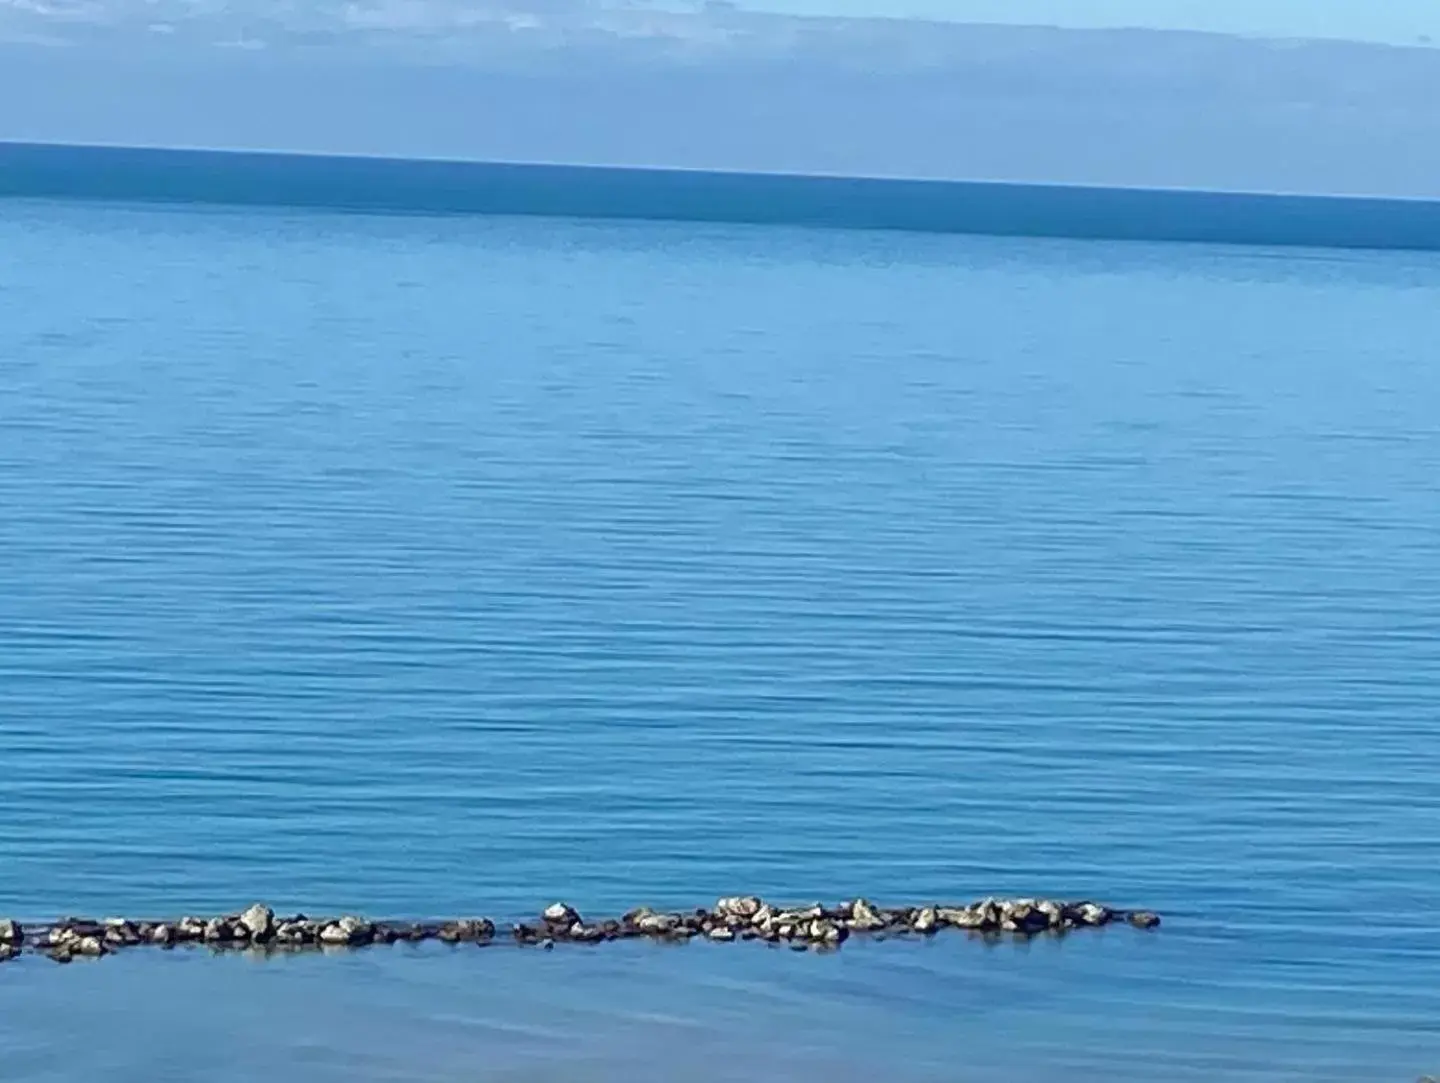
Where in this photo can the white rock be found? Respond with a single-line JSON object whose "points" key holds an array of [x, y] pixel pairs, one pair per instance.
{"points": [[561, 914], [744, 907], [259, 922]]}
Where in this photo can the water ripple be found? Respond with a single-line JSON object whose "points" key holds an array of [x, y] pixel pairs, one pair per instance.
{"points": [[614, 558]]}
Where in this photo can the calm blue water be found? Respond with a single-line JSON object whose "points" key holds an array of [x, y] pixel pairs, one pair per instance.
{"points": [[428, 565], [460, 187]]}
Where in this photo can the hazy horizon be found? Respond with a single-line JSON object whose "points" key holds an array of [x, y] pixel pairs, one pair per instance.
{"points": [[719, 87]]}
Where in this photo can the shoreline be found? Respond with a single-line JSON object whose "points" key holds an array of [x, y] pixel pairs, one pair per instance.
{"points": [[733, 919]]}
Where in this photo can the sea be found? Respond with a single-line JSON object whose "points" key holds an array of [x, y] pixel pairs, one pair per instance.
{"points": [[391, 559]]}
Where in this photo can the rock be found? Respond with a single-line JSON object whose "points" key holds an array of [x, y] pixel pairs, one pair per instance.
{"points": [[467, 930], [1144, 919], [828, 932], [720, 932], [121, 933], [825, 931], [62, 955], [218, 930], [295, 932], [8, 952], [561, 914], [162, 934], [89, 945], [801, 914], [11, 932], [190, 928], [926, 921], [1089, 913], [864, 916], [1053, 912], [739, 907], [71, 930], [1022, 916], [654, 924], [349, 930], [258, 922], [989, 911]]}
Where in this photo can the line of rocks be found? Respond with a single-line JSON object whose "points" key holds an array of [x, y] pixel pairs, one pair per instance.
{"points": [[745, 917]]}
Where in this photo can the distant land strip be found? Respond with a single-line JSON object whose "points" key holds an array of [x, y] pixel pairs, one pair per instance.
{"points": [[401, 186], [813, 927]]}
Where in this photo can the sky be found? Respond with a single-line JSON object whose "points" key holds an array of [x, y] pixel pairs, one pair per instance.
{"points": [[1396, 21], [1324, 96]]}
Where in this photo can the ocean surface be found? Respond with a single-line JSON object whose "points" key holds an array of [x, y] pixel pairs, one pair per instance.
{"points": [[420, 564], [337, 182]]}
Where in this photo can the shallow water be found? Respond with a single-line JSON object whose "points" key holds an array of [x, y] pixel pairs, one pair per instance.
{"points": [[440, 565]]}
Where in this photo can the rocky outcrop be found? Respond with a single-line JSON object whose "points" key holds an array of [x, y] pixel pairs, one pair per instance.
{"points": [[258, 923], [72, 938], [349, 931], [464, 931], [738, 908], [736, 918], [562, 915], [12, 938]]}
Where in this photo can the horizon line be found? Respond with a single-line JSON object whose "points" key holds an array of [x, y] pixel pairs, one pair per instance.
{"points": [[701, 171], [382, 184]]}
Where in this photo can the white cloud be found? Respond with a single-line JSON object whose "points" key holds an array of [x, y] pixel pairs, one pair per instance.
{"points": [[1012, 60], [448, 26]]}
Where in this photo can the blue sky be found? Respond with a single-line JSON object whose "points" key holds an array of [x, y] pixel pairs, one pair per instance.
{"points": [[714, 85], [1372, 20], [1388, 21]]}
